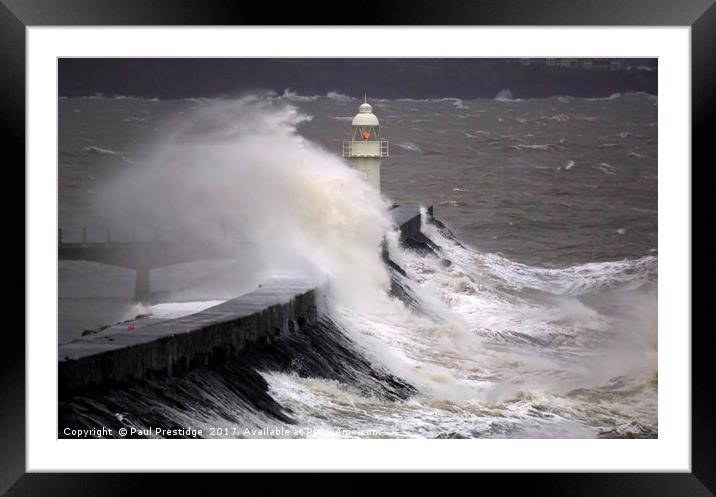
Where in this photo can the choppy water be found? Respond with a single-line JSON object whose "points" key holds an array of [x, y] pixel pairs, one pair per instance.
{"points": [[542, 324]]}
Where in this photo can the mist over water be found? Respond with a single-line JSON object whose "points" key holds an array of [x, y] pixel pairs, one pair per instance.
{"points": [[537, 320]]}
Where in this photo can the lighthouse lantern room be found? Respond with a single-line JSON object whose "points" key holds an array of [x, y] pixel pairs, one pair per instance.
{"points": [[365, 149]]}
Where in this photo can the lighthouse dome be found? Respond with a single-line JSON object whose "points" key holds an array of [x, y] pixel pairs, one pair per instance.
{"points": [[365, 116]]}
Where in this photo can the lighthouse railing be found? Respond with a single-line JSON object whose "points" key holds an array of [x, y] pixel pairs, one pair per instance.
{"points": [[371, 148], [384, 148]]}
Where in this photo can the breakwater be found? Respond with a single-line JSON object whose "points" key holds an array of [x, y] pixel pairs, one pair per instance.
{"points": [[149, 347]]}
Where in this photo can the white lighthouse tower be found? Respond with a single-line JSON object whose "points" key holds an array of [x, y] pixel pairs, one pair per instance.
{"points": [[365, 149]]}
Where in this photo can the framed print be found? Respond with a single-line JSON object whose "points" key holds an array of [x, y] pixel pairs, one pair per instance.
{"points": [[461, 244]]}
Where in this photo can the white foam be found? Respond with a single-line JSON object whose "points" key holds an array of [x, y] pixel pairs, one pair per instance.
{"points": [[487, 358], [175, 310]]}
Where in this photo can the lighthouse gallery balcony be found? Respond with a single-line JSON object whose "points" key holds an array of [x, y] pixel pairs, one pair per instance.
{"points": [[373, 148]]}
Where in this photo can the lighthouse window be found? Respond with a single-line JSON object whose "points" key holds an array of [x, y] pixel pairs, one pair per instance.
{"points": [[365, 134]]}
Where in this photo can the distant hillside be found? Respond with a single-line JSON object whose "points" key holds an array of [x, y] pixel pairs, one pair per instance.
{"points": [[380, 78]]}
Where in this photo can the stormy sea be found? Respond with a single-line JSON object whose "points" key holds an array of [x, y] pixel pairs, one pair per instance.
{"points": [[527, 308]]}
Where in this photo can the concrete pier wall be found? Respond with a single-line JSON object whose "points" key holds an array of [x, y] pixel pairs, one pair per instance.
{"points": [[144, 347], [147, 347], [407, 217]]}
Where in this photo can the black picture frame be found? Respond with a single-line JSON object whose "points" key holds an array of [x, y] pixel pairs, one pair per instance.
{"points": [[16, 15]]}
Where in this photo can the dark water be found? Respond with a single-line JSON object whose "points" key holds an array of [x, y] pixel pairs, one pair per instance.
{"points": [[548, 181], [552, 273]]}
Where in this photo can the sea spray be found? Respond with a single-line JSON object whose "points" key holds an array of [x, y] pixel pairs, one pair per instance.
{"points": [[240, 168]]}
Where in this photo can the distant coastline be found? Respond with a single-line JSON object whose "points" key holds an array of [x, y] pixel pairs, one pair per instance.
{"points": [[396, 78]]}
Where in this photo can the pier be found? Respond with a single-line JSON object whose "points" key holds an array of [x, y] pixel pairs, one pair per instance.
{"points": [[142, 256], [147, 346]]}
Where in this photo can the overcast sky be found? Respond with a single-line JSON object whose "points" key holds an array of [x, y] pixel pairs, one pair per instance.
{"points": [[387, 78]]}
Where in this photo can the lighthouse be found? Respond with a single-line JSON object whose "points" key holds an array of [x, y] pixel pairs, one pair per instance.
{"points": [[365, 149]]}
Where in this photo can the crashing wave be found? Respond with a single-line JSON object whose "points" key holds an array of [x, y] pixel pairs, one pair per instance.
{"points": [[288, 94], [505, 95], [101, 151], [338, 97]]}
